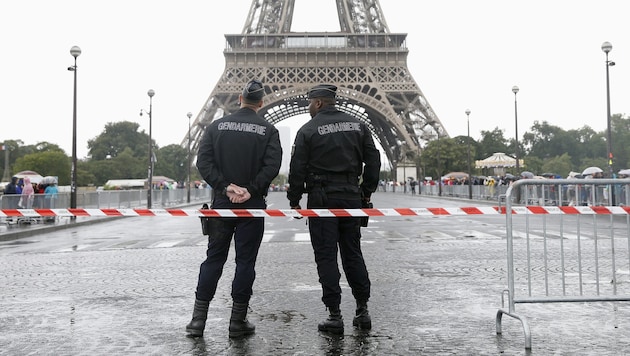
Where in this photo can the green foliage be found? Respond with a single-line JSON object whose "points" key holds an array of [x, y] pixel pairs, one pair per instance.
{"points": [[49, 163], [122, 166], [116, 138], [492, 142], [15, 150], [559, 165], [120, 152], [443, 156], [600, 162], [532, 164], [172, 162], [620, 140]]}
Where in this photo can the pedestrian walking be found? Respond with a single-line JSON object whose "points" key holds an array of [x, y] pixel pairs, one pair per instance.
{"points": [[331, 153], [239, 155]]}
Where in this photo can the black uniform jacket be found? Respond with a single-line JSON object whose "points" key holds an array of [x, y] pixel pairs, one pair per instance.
{"points": [[332, 145], [241, 148]]}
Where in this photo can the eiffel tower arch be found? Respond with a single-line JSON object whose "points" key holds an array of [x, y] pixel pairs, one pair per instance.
{"points": [[364, 60]]}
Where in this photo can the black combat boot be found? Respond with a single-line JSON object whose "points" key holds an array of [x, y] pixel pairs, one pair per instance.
{"points": [[239, 326], [362, 319], [198, 322], [334, 323]]}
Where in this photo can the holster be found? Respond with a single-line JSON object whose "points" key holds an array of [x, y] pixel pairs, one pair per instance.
{"points": [[365, 219], [205, 222]]}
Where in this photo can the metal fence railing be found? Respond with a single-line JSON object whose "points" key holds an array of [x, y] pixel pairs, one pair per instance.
{"points": [[107, 199], [550, 192], [573, 245]]}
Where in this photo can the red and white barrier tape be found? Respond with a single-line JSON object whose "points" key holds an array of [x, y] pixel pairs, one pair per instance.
{"points": [[273, 213]]}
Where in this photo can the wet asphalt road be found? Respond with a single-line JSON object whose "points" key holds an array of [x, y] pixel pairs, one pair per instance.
{"points": [[126, 287]]}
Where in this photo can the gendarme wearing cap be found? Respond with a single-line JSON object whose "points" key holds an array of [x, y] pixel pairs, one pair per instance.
{"points": [[322, 91], [253, 91]]}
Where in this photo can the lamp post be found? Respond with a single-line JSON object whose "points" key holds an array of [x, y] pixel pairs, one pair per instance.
{"points": [[469, 169], [394, 176], [438, 164], [607, 47], [150, 93], [188, 176], [515, 90], [75, 51]]}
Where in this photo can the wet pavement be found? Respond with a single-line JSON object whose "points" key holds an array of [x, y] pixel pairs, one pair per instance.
{"points": [[126, 287]]}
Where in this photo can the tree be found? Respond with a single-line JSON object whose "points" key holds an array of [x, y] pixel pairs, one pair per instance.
{"points": [[172, 162], [49, 163], [532, 164], [492, 142], [116, 138], [560, 165], [12, 149], [620, 139], [452, 157]]}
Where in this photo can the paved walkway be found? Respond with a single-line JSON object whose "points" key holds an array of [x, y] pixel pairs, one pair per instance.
{"points": [[433, 294]]}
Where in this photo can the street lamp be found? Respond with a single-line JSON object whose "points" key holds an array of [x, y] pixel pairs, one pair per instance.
{"points": [[75, 51], [438, 164], [150, 93], [607, 47], [515, 90], [188, 177], [469, 169]]}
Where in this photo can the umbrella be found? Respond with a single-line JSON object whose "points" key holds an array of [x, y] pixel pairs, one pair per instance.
{"points": [[49, 180], [34, 176], [527, 174], [549, 175], [625, 172], [456, 175], [591, 170]]}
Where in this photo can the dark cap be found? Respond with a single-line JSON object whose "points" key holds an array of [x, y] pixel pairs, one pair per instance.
{"points": [[254, 90], [322, 91]]}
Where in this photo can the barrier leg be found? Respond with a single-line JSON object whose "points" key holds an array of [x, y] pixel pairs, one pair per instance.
{"points": [[526, 331]]}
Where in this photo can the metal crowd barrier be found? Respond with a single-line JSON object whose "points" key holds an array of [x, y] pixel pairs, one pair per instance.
{"points": [[107, 199], [572, 246]]}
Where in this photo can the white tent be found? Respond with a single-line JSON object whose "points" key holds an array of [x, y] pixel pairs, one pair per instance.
{"points": [[34, 176]]}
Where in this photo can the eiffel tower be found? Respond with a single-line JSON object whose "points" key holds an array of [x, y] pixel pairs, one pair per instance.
{"points": [[364, 60]]}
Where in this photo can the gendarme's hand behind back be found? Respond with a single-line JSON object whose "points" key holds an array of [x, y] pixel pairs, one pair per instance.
{"points": [[236, 194]]}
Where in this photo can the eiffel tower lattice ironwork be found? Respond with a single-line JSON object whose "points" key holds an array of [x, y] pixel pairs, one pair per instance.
{"points": [[365, 61]]}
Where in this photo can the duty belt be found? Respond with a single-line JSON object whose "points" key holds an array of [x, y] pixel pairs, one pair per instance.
{"points": [[314, 178]]}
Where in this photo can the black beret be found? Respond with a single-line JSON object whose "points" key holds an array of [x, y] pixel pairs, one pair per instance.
{"points": [[253, 90], [322, 91]]}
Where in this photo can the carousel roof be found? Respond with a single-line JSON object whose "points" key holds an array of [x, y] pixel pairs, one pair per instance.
{"points": [[499, 159]]}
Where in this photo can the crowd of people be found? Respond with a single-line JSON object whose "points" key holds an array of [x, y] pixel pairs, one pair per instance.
{"points": [[22, 193]]}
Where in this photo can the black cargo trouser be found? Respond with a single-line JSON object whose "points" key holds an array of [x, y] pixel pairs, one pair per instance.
{"points": [[344, 234], [248, 234]]}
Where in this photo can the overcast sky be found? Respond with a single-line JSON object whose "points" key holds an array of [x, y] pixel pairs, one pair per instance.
{"points": [[463, 54]]}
